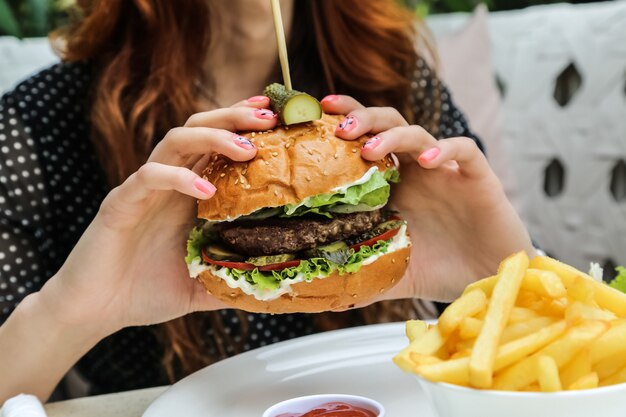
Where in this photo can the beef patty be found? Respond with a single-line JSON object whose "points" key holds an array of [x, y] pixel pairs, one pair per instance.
{"points": [[290, 235]]}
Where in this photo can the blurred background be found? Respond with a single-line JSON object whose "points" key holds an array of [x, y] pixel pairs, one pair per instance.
{"points": [[542, 83]]}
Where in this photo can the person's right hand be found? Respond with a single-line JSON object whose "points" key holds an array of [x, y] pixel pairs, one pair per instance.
{"points": [[128, 267]]}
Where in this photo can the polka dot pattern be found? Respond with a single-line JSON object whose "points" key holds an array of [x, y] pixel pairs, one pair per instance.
{"points": [[51, 186]]}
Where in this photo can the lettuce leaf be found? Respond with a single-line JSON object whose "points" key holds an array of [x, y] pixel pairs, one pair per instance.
{"points": [[372, 193], [197, 240], [619, 282], [310, 268]]}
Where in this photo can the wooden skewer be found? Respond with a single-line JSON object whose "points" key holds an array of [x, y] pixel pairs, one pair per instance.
{"points": [[282, 45]]}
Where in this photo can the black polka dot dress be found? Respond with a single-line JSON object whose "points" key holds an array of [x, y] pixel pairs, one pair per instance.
{"points": [[51, 185]]}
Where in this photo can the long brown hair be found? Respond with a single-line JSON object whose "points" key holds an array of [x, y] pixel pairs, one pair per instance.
{"points": [[148, 58]]}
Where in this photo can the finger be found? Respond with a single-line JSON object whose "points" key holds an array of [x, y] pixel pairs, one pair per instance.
{"points": [[235, 119], [258, 102], [338, 104], [464, 151], [407, 139], [181, 143], [152, 177], [369, 120]]}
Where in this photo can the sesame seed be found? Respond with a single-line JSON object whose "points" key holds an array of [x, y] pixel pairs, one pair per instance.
{"points": [[310, 152], [244, 171], [253, 134], [274, 153], [336, 155], [325, 173], [222, 175], [262, 144], [286, 127], [237, 181], [393, 261], [353, 295], [381, 290], [276, 193], [270, 131], [267, 162], [225, 166], [353, 150], [393, 280], [247, 186], [308, 178], [287, 145]]}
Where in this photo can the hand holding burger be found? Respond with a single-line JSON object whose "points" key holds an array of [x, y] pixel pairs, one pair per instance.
{"points": [[303, 227]]}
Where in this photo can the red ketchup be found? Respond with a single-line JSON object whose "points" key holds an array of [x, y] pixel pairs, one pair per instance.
{"points": [[337, 409]]}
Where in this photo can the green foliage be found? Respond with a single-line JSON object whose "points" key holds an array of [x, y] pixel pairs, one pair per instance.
{"points": [[31, 18], [425, 7], [619, 282]]}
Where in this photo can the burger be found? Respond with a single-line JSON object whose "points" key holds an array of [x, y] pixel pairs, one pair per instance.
{"points": [[303, 227]]}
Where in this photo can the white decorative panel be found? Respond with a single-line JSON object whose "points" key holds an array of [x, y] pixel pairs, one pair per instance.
{"points": [[563, 69]]}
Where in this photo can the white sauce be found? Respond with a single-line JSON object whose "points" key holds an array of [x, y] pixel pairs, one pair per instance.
{"points": [[400, 241]]}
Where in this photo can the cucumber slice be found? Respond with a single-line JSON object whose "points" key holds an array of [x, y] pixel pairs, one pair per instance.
{"points": [[292, 106], [219, 253], [271, 259]]}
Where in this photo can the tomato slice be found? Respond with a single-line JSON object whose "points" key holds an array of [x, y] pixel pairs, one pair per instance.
{"points": [[245, 266], [371, 242]]}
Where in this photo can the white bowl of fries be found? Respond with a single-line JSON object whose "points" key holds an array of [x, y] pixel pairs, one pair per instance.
{"points": [[454, 401], [538, 339]]}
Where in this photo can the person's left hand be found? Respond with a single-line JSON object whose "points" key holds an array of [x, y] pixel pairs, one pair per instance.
{"points": [[460, 221]]}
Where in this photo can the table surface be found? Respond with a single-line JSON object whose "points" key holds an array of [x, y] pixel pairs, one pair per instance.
{"points": [[124, 404]]}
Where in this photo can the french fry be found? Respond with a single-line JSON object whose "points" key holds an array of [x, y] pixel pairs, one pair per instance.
{"points": [[470, 328], [524, 328], [466, 306], [578, 367], [611, 343], [562, 350], [528, 300], [618, 377], [578, 311], [606, 297], [535, 326], [415, 329], [418, 359], [548, 374], [430, 343], [586, 382], [520, 314], [520, 348], [609, 366], [485, 284], [544, 283], [582, 290], [483, 356], [458, 369]]}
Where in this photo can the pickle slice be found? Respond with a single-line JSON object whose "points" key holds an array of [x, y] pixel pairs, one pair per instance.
{"points": [[271, 259], [292, 106]]}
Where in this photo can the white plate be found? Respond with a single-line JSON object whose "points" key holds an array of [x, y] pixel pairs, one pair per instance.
{"points": [[352, 361]]}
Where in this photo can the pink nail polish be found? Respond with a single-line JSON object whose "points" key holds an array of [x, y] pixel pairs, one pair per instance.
{"points": [[330, 98], [257, 99], [264, 114], [243, 142], [429, 154], [204, 186], [348, 124], [372, 143]]}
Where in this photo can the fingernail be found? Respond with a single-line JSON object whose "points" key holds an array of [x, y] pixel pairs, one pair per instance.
{"points": [[372, 143], [429, 154], [330, 98], [204, 186], [348, 124], [264, 114], [243, 142], [257, 99]]}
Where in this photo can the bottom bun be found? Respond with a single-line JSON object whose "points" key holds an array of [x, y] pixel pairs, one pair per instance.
{"points": [[335, 292]]}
